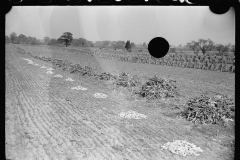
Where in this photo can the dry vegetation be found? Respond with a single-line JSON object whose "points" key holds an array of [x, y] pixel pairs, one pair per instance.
{"points": [[170, 100]]}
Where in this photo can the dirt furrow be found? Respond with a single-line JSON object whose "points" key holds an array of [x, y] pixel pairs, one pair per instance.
{"points": [[46, 119]]}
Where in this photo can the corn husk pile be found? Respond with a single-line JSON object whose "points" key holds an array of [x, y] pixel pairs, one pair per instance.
{"points": [[43, 67], [210, 110], [69, 79], [132, 115], [49, 72], [157, 88], [50, 69], [30, 62], [182, 148], [58, 76], [79, 88], [100, 95]]}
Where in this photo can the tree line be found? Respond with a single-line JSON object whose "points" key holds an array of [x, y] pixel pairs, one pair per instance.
{"points": [[203, 45], [67, 39]]}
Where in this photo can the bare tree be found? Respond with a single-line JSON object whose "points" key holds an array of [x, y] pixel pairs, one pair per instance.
{"points": [[205, 45], [194, 46], [222, 48]]}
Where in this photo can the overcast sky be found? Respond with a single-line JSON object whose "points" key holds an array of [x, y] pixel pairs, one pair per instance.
{"points": [[178, 25]]}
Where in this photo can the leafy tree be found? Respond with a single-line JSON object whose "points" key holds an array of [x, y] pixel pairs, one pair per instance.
{"points": [[205, 45], [46, 40], [144, 45], [133, 45], [222, 48], [194, 46], [172, 50], [232, 48], [13, 36], [128, 46], [90, 44], [7, 39], [32, 40], [75, 42], [53, 41], [139, 45], [66, 38], [22, 38], [104, 44], [119, 45], [82, 42]]}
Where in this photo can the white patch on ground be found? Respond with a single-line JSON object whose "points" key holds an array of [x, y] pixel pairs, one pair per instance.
{"points": [[69, 79], [43, 67], [182, 148], [58, 75], [49, 72], [100, 95], [50, 69], [79, 88], [132, 115]]}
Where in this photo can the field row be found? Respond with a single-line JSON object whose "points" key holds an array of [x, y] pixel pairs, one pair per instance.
{"points": [[52, 126], [213, 63]]}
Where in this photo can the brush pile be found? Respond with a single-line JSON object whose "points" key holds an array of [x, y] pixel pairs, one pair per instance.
{"points": [[157, 88], [127, 81], [106, 76], [66, 65], [82, 70], [205, 110]]}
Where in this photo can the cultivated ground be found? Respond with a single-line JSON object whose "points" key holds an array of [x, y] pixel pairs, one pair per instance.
{"points": [[45, 119]]}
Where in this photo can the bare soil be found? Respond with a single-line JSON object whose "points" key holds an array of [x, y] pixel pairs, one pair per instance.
{"points": [[45, 119]]}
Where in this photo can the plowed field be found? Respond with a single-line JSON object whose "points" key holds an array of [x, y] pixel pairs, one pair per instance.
{"points": [[47, 120]]}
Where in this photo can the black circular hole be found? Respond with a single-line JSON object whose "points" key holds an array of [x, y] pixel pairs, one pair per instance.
{"points": [[158, 47], [7, 9], [220, 7]]}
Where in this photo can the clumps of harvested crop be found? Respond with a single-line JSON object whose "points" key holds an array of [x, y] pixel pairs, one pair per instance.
{"points": [[218, 109], [157, 88], [66, 65], [125, 80], [106, 76], [77, 68], [182, 148]]}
